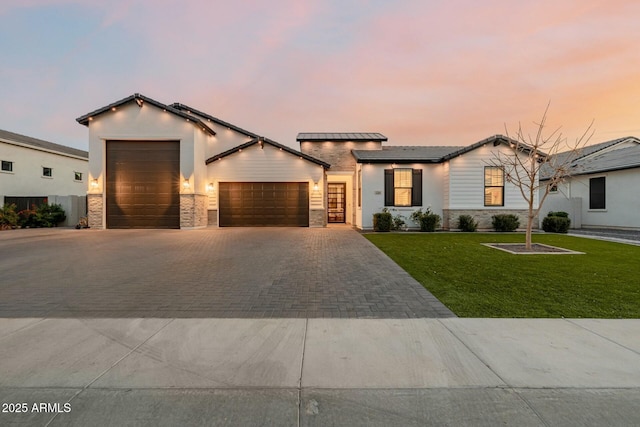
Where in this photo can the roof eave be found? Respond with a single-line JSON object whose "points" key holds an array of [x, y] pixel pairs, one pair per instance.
{"points": [[84, 120], [216, 120], [272, 143], [345, 139], [397, 161]]}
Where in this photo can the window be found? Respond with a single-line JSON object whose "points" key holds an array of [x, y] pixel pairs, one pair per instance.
{"points": [[403, 187], [77, 176], [493, 186], [7, 166], [48, 172], [597, 193], [553, 188]]}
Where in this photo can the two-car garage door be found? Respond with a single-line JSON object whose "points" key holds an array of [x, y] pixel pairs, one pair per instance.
{"points": [[258, 204]]}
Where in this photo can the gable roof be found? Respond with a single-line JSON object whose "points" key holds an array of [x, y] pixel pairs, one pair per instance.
{"points": [[595, 148], [39, 144], [404, 154], [428, 154], [210, 118], [340, 136], [261, 140], [591, 159], [623, 158], [141, 100], [495, 140]]}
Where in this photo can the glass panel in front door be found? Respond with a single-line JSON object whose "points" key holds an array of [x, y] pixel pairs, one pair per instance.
{"points": [[336, 202]]}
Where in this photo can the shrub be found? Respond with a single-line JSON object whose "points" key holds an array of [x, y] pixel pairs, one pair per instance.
{"points": [[8, 217], [467, 223], [398, 222], [51, 215], [382, 221], [43, 216], [559, 214], [428, 220], [28, 218], [554, 223], [505, 222]]}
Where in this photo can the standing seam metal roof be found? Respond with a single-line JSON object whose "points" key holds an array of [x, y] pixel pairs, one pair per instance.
{"points": [[340, 136]]}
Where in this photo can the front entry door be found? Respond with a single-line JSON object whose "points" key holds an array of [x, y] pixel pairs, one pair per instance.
{"points": [[336, 194]]}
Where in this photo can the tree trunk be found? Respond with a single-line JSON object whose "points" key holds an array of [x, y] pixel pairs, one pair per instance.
{"points": [[530, 217]]}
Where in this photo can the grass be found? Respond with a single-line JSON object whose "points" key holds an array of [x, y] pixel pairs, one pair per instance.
{"points": [[476, 281]]}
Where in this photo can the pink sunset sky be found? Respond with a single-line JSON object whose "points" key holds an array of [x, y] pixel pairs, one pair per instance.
{"points": [[420, 72]]}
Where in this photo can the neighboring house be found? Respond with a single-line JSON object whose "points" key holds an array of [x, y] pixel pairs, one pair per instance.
{"points": [[155, 165], [34, 172], [602, 189]]}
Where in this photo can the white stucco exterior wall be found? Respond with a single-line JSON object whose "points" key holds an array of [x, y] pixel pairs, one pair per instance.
{"points": [[373, 192], [26, 178], [622, 200], [146, 123]]}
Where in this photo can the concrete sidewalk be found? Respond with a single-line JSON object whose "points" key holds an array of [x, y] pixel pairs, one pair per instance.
{"points": [[320, 371]]}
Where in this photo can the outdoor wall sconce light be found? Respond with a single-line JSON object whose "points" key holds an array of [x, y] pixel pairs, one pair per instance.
{"points": [[186, 184], [315, 186], [94, 183], [210, 187]]}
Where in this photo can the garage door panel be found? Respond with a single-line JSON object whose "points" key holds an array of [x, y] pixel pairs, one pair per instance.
{"points": [[250, 204], [142, 188]]}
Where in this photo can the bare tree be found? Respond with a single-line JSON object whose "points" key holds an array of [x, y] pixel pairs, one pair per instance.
{"points": [[530, 155]]}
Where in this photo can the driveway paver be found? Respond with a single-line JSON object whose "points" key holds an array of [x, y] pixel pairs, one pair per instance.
{"points": [[205, 273]]}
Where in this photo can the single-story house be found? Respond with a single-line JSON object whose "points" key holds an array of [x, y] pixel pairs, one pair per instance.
{"points": [[33, 172], [602, 188], [155, 165]]}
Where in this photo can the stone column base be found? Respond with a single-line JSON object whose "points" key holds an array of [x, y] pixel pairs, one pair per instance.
{"points": [[317, 218], [95, 214], [193, 210]]}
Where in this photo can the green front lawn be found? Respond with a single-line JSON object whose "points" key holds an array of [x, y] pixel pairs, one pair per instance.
{"points": [[476, 281]]}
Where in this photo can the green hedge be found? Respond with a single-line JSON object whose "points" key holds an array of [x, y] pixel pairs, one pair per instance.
{"points": [[427, 220], [505, 222], [467, 223], [45, 215], [382, 221], [556, 222]]}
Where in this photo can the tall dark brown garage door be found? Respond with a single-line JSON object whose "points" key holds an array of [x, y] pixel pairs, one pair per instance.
{"points": [[264, 204], [143, 184]]}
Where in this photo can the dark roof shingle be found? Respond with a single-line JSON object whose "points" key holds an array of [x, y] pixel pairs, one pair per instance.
{"points": [[404, 154], [590, 160], [41, 144]]}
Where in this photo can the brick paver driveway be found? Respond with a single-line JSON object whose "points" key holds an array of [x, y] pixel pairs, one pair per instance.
{"points": [[236, 272]]}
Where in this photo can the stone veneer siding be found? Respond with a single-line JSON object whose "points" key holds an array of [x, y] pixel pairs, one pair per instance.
{"points": [[212, 217], [317, 218], [95, 209], [337, 154], [193, 210], [483, 216]]}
